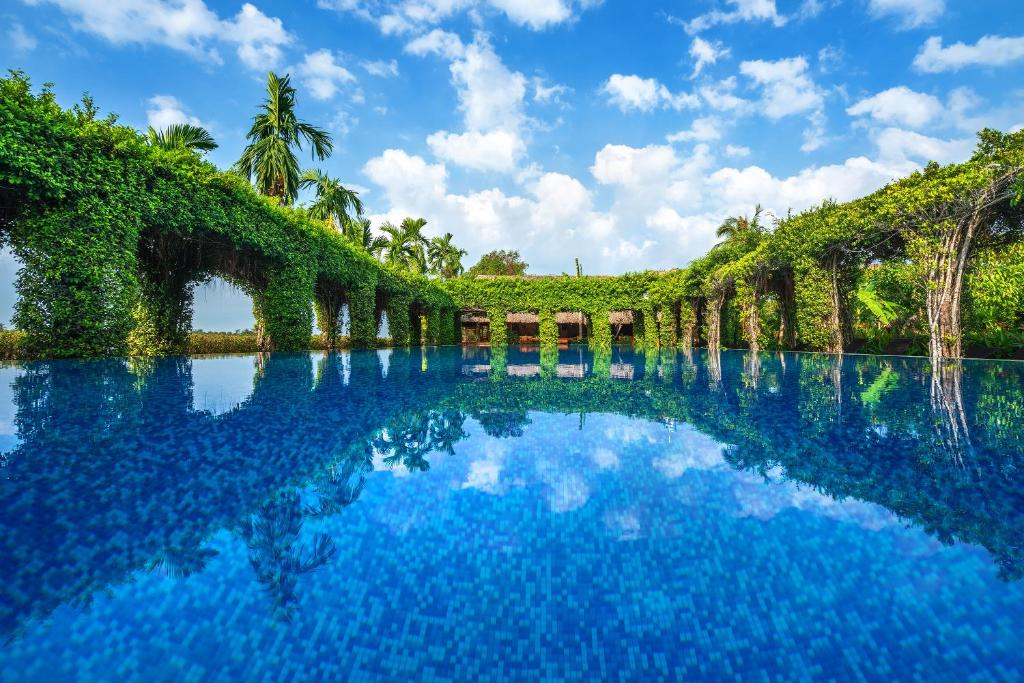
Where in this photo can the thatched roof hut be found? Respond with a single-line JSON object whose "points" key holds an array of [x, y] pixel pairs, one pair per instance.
{"points": [[620, 317]]}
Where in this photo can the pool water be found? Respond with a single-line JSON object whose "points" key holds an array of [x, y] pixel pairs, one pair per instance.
{"points": [[446, 514]]}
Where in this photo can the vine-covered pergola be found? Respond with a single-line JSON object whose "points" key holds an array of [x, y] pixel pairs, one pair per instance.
{"points": [[113, 235]]}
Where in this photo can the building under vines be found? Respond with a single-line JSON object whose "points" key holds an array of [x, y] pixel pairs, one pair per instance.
{"points": [[114, 235]]}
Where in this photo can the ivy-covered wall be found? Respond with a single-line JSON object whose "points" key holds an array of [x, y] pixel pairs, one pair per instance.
{"points": [[114, 235]]}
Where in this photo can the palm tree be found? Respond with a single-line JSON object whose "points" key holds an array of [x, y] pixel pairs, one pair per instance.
{"points": [[276, 133], [735, 227], [333, 202], [404, 244], [444, 257], [359, 232], [182, 136]]}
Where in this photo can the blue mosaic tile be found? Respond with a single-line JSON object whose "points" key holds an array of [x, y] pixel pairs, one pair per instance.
{"points": [[445, 515]]}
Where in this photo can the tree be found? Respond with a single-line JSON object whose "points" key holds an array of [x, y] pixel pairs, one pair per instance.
{"points": [[500, 262], [276, 133], [405, 244], [182, 136], [735, 227], [333, 202], [444, 257], [359, 232]]}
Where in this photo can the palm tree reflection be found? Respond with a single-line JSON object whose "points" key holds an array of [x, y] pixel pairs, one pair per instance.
{"points": [[276, 554]]}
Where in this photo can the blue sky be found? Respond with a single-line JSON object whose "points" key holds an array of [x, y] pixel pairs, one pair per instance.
{"points": [[617, 132]]}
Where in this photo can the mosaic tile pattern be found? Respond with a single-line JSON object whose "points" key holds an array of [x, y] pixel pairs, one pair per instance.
{"points": [[781, 518]]}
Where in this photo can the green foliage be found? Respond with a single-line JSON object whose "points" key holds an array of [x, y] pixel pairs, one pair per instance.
{"points": [[185, 136], [269, 159], [501, 262], [114, 233]]}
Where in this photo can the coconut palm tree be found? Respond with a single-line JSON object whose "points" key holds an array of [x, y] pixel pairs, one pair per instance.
{"points": [[334, 203], [445, 258], [359, 232], [276, 133], [405, 244], [735, 227], [182, 136]]}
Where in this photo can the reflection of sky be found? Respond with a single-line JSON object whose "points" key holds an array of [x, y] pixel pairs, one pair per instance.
{"points": [[8, 409], [221, 384], [565, 465]]}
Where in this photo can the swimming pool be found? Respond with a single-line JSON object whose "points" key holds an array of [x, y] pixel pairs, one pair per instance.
{"points": [[449, 514]]}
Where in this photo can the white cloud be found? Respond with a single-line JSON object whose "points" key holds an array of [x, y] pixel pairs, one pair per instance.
{"points": [[258, 36], [537, 14], [898, 144], [705, 53], [412, 16], [901, 106], [544, 94], [185, 25], [323, 75], [644, 94], [167, 110], [912, 13], [20, 39], [933, 58], [436, 42], [720, 96], [742, 10], [497, 150], [381, 68], [664, 203], [705, 129], [787, 87], [490, 95], [737, 151]]}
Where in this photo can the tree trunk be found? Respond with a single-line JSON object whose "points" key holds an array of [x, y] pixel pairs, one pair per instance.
{"points": [[787, 312], [714, 312], [837, 336], [945, 289], [948, 405]]}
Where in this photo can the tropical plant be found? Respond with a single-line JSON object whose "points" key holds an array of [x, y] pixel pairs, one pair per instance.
{"points": [[405, 244], [182, 136], [333, 203], [735, 227], [359, 232], [276, 133], [445, 258]]}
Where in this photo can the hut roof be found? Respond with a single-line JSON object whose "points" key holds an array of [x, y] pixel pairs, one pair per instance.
{"points": [[524, 317], [620, 317], [570, 318]]}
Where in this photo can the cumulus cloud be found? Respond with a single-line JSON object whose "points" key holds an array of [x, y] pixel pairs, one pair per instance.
{"points": [[787, 87], [380, 67], [436, 42], [186, 25], [990, 51], [705, 129], [498, 150], [321, 73], [416, 16], [742, 10], [911, 13], [901, 106], [167, 110], [632, 92], [660, 205], [705, 53]]}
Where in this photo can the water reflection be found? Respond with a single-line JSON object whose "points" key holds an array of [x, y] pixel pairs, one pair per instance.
{"points": [[121, 467]]}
